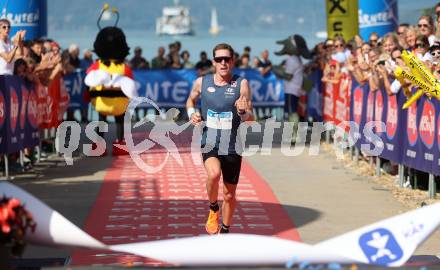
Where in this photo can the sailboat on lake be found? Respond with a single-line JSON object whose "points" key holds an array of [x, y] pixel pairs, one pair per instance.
{"points": [[215, 28]]}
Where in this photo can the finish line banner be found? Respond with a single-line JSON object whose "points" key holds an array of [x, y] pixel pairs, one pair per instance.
{"points": [[171, 88]]}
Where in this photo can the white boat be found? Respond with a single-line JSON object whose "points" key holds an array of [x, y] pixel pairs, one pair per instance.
{"points": [[215, 28], [175, 20]]}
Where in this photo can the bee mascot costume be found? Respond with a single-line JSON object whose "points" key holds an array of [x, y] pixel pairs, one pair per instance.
{"points": [[292, 72], [111, 80]]}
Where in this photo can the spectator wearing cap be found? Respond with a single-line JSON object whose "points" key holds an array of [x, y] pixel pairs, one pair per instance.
{"points": [[159, 61], [426, 28], [138, 61], [9, 49]]}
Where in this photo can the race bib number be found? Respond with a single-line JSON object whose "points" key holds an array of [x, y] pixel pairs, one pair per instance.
{"points": [[219, 120]]}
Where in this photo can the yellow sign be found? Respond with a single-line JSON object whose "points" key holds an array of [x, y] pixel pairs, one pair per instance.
{"points": [[342, 18]]}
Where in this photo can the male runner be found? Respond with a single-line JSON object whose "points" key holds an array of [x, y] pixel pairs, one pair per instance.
{"points": [[226, 101]]}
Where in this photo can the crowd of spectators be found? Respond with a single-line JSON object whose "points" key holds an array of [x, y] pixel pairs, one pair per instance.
{"points": [[177, 59], [374, 61]]}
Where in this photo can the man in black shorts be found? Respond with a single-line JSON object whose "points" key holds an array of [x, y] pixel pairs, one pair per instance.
{"points": [[226, 102]]}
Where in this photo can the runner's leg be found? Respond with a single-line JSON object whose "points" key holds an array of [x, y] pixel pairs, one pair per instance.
{"points": [[213, 169], [229, 203]]}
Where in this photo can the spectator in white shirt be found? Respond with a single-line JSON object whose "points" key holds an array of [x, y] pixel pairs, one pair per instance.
{"points": [[8, 48]]}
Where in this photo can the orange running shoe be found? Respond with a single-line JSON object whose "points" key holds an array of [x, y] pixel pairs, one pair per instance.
{"points": [[212, 226]]}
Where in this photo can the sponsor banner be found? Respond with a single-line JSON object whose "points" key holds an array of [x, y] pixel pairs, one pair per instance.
{"points": [[32, 133], [419, 143], [358, 108], [342, 89], [378, 16], [14, 127], [388, 110], [170, 88], [26, 15], [19, 114], [328, 111], [436, 168], [50, 97], [3, 115], [74, 84], [314, 98], [342, 18]]}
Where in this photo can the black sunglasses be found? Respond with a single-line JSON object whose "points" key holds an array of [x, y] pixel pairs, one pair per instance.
{"points": [[6, 27], [420, 45], [435, 53], [423, 25], [220, 59]]}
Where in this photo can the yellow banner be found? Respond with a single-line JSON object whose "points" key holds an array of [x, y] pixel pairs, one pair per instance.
{"points": [[342, 18]]}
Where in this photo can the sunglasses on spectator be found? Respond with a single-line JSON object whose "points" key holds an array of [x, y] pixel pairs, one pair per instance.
{"points": [[6, 26], [420, 45], [400, 33], [373, 40], [339, 46], [220, 59], [435, 53], [423, 25]]}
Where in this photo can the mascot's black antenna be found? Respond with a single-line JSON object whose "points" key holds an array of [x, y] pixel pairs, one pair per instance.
{"points": [[104, 8], [115, 11]]}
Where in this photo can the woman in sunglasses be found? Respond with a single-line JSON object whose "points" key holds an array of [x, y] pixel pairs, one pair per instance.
{"points": [[426, 28], [8, 48], [421, 48], [226, 102]]}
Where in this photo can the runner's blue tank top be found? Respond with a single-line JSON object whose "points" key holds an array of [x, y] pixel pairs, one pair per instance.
{"points": [[220, 115]]}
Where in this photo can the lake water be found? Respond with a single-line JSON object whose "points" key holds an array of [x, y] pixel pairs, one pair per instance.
{"points": [[149, 41]]}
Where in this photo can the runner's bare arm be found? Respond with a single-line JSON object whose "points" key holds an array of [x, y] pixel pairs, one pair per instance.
{"points": [[246, 92], [191, 102], [194, 94]]}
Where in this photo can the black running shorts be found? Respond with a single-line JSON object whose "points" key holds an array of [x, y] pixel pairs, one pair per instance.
{"points": [[230, 165]]}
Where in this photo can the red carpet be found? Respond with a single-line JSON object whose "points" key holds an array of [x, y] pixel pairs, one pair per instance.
{"points": [[133, 206]]}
